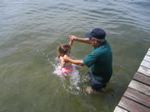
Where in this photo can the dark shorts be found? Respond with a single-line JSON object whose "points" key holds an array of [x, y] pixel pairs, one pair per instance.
{"points": [[96, 85]]}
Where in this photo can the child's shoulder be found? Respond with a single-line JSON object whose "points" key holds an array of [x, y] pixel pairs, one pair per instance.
{"points": [[61, 57], [65, 55]]}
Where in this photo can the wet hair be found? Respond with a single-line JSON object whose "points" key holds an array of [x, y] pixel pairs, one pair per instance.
{"points": [[63, 49]]}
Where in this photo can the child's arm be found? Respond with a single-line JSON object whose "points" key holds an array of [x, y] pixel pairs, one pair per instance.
{"points": [[71, 42], [62, 61]]}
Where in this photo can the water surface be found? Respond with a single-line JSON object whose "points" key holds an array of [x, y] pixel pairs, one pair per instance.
{"points": [[31, 30]]}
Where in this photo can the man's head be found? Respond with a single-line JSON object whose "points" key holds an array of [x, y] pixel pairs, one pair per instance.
{"points": [[97, 34]]}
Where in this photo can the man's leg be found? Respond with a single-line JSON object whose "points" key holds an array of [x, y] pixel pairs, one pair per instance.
{"points": [[95, 85], [89, 88]]}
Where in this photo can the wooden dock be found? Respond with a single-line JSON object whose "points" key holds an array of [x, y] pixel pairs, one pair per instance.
{"points": [[137, 96]]}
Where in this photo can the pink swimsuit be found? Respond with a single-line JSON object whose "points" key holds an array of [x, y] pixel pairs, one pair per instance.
{"points": [[67, 69]]}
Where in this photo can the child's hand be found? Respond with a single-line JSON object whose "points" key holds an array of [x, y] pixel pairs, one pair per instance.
{"points": [[72, 38]]}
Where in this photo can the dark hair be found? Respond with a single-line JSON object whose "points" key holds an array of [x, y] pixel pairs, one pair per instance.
{"points": [[63, 49]]}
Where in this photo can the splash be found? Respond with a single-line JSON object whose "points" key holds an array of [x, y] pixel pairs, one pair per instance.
{"points": [[74, 77], [71, 84]]}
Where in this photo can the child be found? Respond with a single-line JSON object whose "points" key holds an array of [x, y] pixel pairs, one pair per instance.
{"points": [[64, 50]]}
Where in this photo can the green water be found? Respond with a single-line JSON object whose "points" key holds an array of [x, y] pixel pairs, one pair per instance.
{"points": [[31, 30]]}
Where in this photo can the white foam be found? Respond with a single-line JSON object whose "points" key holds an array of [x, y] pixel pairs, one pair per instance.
{"points": [[74, 77]]}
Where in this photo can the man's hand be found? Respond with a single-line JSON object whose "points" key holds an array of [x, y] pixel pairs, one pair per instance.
{"points": [[73, 37]]}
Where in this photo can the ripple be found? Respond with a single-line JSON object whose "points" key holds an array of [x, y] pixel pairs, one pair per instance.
{"points": [[31, 31]]}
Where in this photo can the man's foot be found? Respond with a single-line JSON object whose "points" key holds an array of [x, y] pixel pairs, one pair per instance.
{"points": [[89, 90]]}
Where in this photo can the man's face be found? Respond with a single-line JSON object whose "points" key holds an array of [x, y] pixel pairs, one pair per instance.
{"points": [[94, 42]]}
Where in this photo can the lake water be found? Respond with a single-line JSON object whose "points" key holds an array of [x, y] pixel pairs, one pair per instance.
{"points": [[31, 30]]}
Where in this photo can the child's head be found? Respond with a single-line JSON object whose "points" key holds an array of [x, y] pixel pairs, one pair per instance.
{"points": [[63, 49]]}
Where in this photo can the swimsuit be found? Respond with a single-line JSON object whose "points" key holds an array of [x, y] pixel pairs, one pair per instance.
{"points": [[67, 69]]}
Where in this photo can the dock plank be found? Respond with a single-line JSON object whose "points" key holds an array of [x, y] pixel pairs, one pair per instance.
{"points": [[132, 106], [145, 64], [118, 109], [148, 53], [144, 71], [142, 78], [147, 58], [137, 97], [140, 87]]}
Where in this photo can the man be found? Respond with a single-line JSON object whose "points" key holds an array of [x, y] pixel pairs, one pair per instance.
{"points": [[99, 60]]}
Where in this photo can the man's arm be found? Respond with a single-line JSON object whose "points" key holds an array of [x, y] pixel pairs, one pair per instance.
{"points": [[77, 62]]}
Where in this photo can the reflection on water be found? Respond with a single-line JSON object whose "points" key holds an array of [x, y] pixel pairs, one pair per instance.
{"points": [[31, 30]]}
